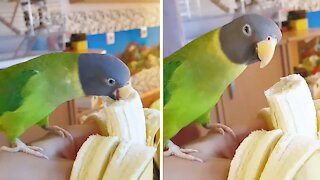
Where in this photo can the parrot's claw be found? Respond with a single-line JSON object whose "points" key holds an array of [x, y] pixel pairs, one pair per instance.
{"points": [[36, 148], [21, 147], [221, 128], [174, 150], [60, 131], [188, 150]]}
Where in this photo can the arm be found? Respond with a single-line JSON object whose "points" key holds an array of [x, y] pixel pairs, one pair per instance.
{"points": [[62, 154], [215, 149]]}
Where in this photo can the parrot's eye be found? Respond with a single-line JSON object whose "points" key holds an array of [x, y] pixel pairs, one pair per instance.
{"points": [[110, 81], [247, 30]]}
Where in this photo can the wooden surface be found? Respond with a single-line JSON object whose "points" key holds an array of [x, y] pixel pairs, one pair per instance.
{"points": [[300, 35]]}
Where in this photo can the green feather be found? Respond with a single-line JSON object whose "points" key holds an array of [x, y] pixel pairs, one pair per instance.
{"points": [[170, 64], [11, 97], [30, 91], [194, 79]]}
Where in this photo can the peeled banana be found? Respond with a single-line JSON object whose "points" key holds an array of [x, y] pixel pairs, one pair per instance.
{"points": [[288, 156], [291, 150], [307, 171], [107, 158], [128, 150], [291, 106], [129, 161], [94, 157], [126, 120], [275, 155], [252, 155]]}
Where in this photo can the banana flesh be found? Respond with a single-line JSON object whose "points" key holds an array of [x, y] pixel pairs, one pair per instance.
{"points": [[129, 161], [127, 145], [125, 119], [252, 155], [93, 156], [288, 156], [291, 106], [294, 153]]}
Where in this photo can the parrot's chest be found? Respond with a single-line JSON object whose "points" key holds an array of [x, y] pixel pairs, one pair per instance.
{"points": [[211, 79]]}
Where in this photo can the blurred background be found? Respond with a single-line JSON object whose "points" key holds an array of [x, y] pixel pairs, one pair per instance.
{"points": [[128, 29], [297, 52]]}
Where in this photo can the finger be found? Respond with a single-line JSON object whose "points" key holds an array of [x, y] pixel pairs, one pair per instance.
{"points": [[57, 146], [219, 130]]}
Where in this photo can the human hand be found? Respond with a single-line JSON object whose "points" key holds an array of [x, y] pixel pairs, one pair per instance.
{"points": [[216, 150], [61, 152]]}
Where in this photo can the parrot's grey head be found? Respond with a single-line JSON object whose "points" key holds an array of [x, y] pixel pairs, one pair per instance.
{"points": [[249, 39], [102, 74]]}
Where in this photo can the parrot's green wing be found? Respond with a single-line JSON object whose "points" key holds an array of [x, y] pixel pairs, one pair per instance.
{"points": [[204, 119], [170, 64], [44, 122], [11, 87], [30, 91]]}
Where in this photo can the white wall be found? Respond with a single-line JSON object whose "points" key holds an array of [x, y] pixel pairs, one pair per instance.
{"points": [[6, 12], [7, 8]]}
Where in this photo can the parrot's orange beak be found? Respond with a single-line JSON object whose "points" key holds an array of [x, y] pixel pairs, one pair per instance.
{"points": [[265, 50]]}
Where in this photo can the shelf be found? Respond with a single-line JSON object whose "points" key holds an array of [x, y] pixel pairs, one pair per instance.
{"points": [[300, 35], [291, 40], [150, 97]]}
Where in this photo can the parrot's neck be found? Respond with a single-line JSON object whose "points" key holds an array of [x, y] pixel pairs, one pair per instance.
{"points": [[211, 65], [65, 78]]}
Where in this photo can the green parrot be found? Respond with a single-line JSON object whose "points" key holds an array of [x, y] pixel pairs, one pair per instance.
{"points": [[196, 75], [30, 91]]}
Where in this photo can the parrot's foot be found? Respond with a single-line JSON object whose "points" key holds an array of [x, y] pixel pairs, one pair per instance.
{"points": [[21, 147], [60, 131], [220, 128], [174, 150]]}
